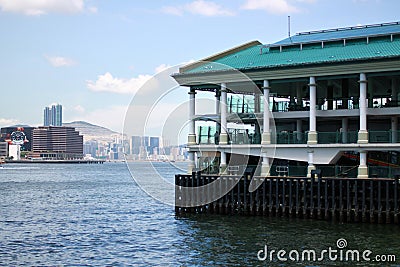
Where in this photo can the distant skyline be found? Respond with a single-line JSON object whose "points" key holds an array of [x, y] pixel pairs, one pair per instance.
{"points": [[92, 56]]}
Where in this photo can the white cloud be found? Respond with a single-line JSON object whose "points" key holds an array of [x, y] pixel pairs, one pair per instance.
{"points": [[58, 61], [42, 7], [7, 122], [198, 7], [108, 83], [273, 6]]}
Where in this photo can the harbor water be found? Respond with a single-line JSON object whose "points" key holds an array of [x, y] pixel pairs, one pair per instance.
{"points": [[96, 215]]}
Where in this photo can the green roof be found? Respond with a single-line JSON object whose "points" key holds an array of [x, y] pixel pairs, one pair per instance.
{"points": [[343, 33], [256, 57], [373, 43]]}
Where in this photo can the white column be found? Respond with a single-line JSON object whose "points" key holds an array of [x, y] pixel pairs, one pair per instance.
{"points": [[363, 168], [192, 113], [224, 134], [218, 113], [312, 134], [310, 162], [363, 133], [345, 129], [265, 166], [222, 166], [192, 129], [266, 136], [192, 162], [394, 121]]}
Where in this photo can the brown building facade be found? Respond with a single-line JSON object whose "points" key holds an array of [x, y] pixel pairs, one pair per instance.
{"points": [[58, 143]]}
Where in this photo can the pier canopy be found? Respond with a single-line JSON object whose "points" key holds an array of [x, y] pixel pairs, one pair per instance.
{"points": [[344, 47]]}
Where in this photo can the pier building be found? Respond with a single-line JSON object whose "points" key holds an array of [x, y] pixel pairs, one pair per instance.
{"points": [[305, 127], [326, 100]]}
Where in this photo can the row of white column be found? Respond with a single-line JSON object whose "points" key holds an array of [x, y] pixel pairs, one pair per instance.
{"points": [[221, 108]]}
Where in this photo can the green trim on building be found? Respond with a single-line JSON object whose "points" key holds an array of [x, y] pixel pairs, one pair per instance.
{"points": [[255, 57], [360, 44]]}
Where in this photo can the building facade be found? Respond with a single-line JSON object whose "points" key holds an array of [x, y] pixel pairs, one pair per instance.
{"points": [[21, 135], [326, 100], [3, 150], [52, 116], [50, 142]]}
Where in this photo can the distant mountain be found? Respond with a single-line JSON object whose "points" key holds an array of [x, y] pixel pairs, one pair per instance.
{"points": [[93, 132]]}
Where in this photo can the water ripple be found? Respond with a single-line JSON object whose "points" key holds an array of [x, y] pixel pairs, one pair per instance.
{"points": [[95, 215]]}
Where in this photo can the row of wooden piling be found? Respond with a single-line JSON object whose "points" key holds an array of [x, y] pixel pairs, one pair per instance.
{"points": [[369, 200]]}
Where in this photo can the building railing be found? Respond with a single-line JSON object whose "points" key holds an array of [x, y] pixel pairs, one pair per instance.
{"points": [[285, 137], [383, 171], [247, 103], [337, 137], [242, 136], [241, 104], [384, 136], [287, 170], [337, 103], [209, 135], [339, 171]]}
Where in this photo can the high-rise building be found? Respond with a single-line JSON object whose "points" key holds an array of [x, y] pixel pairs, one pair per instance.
{"points": [[52, 116], [154, 145], [57, 143], [136, 143]]}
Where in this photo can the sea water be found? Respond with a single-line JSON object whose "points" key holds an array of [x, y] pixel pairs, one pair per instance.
{"points": [[97, 215]]}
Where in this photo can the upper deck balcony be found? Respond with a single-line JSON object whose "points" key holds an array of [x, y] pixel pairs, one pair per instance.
{"points": [[247, 104]]}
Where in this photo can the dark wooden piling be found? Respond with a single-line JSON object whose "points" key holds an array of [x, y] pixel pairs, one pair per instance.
{"points": [[370, 200], [356, 208], [396, 203]]}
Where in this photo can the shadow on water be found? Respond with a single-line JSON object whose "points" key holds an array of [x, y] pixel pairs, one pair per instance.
{"points": [[215, 240]]}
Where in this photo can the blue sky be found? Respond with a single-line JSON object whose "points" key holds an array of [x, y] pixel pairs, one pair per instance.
{"points": [[93, 55]]}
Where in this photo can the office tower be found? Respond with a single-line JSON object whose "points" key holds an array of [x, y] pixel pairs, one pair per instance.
{"points": [[52, 116]]}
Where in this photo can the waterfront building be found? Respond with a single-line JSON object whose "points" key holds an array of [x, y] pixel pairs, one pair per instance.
{"points": [[52, 116], [14, 152], [61, 143], [21, 135], [326, 100]]}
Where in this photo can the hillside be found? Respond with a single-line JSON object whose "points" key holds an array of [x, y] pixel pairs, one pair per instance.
{"points": [[93, 132]]}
